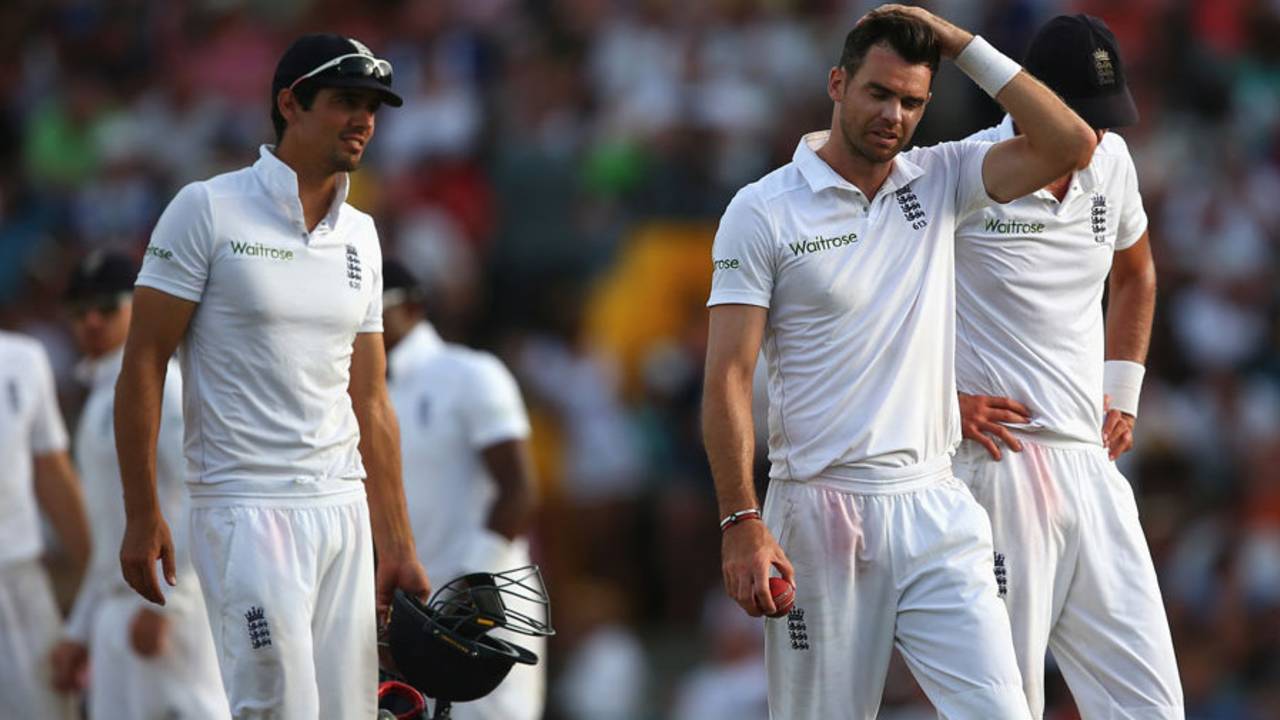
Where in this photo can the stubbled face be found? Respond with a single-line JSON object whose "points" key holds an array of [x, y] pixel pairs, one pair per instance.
{"points": [[338, 127], [101, 327], [879, 107]]}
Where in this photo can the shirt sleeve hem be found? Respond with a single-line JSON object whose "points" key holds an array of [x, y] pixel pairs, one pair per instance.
{"points": [[500, 433], [1132, 240], [738, 297], [171, 287]]}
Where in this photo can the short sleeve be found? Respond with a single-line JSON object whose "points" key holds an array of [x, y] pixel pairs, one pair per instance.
{"points": [[971, 190], [372, 322], [1133, 217], [177, 259], [48, 431], [495, 411], [742, 257]]}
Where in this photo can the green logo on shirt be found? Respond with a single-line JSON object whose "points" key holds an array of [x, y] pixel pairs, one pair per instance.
{"points": [[728, 264], [1013, 227], [819, 243], [158, 252], [260, 250]]}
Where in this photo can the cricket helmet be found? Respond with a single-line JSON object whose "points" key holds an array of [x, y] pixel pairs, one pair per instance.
{"points": [[444, 647]]}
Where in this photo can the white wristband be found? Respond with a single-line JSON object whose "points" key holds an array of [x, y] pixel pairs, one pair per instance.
{"points": [[987, 66], [1122, 380]]}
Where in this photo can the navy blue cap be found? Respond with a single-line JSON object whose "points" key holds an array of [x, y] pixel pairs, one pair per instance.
{"points": [[312, 51], [1078, 58]]}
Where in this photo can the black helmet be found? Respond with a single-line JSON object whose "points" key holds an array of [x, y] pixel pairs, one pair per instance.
{"points": [[444, 648]]}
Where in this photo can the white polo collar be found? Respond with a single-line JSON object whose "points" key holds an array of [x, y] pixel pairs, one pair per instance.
{"points": [[281, 183], [422, 341], [1088, 177], [94, 372], [821, 176]]}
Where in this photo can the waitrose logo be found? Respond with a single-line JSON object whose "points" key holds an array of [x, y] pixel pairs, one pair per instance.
{"points": [[818, 244], [1013, 227], [260, 250], [158, 252]]}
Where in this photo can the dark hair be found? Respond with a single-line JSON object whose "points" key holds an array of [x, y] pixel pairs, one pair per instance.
{"points": [[306, 94], [913, 40]]}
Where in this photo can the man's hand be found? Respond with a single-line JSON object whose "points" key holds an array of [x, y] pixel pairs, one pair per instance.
{"points": [[981, 417], [149, 633], [146, 540], [748, 550], [1117, 430], [70, 661], [951, 39], [407, 574]]}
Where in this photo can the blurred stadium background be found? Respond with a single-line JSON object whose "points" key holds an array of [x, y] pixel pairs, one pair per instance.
{"points": [[555, 178]]}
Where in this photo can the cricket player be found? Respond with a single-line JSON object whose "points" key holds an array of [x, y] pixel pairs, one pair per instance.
{"points": [[841, 264], [147, 661], [36, 476], [272, 286], [1071, 561], [464, 437]]}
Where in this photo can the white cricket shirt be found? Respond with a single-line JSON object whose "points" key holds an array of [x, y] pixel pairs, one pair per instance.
{"points": [[861, 301], [30, 425], [267, 357], [452, 403], [94, 448], [1030, 277]]}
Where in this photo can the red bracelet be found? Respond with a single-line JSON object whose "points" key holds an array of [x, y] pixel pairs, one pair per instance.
{"points": [[734, 518]]}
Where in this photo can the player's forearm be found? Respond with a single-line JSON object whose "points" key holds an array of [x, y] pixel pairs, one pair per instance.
{"points": [[1053, 131], [58, 494], [729, 437], [139, 393], [1131, 308], [380, 453]]}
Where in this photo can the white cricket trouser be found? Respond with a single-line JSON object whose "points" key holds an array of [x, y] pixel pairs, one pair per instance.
{"points": [[1077, 577], [183, 682], [522, 695], [288, 582], [29, 628], [904, 559]]}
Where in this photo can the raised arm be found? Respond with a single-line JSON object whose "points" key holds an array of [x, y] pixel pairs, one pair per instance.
{"points": [[748, 549], [159, 323], [1054, 140], [398, 565]]}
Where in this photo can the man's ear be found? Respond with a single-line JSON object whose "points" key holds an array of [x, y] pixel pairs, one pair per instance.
{"points": [[835, 83], [287, 104]]}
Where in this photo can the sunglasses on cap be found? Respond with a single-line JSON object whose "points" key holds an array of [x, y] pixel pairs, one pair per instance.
{"points": [[353, 65]]}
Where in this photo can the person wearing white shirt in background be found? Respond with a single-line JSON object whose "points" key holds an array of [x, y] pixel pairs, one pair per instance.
{"points": [[36, 476], [1072, 563], [841, 265], [270, 285], [144, 661], [468, 479]]}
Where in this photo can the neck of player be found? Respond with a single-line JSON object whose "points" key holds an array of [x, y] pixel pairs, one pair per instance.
{"points": [[317, 181], [866, 174]]}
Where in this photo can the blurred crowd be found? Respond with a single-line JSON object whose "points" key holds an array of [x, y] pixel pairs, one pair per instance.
{"points": [[554, 180]]}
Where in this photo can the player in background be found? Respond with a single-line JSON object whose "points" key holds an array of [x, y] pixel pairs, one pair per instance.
{"points": [[1071, 559], [272, 286], [146, 661], [464, 438], [36, 476], [841, 264]]}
